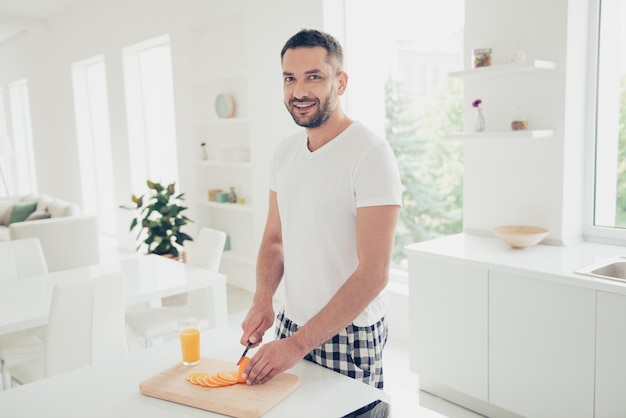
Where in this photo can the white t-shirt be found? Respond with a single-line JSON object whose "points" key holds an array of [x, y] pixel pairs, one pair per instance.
{"points": [[318, 194]]}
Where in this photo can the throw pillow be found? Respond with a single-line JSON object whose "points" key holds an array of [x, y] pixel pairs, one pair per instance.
{"points": [[20, 211], [56, 208], [43, 202], [60, 207], [38, 214], [5, 210]]}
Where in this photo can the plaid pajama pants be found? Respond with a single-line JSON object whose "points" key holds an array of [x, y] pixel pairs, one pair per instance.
{"points": [[356, 352]]}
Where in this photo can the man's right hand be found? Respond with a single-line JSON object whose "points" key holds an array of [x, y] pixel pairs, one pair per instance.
{"points": [[259, 319]]}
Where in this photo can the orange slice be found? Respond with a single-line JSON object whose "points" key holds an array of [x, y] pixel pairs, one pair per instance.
{"points": [[199, 380], [209, 381], [225, 381], [195, 379], [228, 376], [192, 375]]}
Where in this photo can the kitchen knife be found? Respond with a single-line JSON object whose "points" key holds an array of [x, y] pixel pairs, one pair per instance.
{"points": [[244, 352]]}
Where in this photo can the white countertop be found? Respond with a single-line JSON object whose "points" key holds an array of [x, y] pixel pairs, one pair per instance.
{"points": [[112, 389], [548, 262]]}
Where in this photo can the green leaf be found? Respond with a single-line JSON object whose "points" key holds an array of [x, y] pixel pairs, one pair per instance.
{"points": [[159, 217]]}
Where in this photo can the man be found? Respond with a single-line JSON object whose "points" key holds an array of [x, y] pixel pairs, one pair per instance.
{"points": [[335, 195]]}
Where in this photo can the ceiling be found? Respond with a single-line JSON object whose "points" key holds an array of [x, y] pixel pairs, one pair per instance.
{"points": [[20, 16]]}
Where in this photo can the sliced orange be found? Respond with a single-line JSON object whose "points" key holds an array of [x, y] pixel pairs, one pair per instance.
{"points": [[242, 366], [192, 375], [223, 381], [198, 378], [219, 379], [229, 376], [209, 381]]}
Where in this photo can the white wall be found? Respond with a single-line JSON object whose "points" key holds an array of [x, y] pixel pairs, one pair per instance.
{"points": [[531, 181], [88, 28], [537, 182], [92, 27]]}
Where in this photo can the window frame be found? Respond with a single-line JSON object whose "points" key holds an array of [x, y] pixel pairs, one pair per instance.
{"points": [[593, 232]]}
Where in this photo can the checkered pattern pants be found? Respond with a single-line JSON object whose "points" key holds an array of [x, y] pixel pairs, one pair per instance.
{"points": [[356, 352]]}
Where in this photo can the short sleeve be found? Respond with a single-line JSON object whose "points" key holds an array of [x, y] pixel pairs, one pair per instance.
{"points": [[377, 178]]}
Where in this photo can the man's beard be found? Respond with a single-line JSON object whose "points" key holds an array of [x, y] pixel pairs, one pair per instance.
{"points": [[317, 119]]}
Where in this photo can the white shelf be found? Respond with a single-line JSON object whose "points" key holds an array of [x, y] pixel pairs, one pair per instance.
{"points": [[223, 164], [542, 133], [493, 70], [228, 206], [227, 141]]}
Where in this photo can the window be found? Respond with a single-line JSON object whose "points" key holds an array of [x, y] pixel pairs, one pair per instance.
{"points": [[150, 109], [25, 176], [6, 151], [609, 214], [424, 42], [94, 141]]}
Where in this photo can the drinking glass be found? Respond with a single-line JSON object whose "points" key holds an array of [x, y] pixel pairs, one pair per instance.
{"points": [[189, 333]]}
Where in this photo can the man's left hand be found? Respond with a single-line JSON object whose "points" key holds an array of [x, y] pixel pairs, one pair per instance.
{"points": [[272, 358]]}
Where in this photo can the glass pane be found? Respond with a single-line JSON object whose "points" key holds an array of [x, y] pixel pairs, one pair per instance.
{"points": [[26, 181], [94, 141], [158, 100], [424, 42], [150, 110], [610, 182]]}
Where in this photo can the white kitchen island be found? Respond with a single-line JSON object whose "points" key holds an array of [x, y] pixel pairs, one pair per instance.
{"points": [[111, 389], [517, 332]]}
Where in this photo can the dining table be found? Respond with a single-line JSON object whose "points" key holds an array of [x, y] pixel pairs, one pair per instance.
{"points": [[25, 301], [112, 388]]}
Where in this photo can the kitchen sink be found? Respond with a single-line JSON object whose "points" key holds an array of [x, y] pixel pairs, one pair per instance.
{"points": [[612, 268]]}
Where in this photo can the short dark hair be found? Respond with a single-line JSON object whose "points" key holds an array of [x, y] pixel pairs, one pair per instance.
{"points": [[310, 38]]}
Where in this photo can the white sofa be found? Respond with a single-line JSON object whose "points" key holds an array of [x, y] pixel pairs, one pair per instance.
{"points": [[68, 237]]}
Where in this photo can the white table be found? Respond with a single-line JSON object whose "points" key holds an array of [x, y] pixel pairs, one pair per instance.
{"points": [[24, 302], [112, 389]]}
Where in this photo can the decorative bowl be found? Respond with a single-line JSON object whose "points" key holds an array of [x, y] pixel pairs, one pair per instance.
{"points": [[520, 236]]}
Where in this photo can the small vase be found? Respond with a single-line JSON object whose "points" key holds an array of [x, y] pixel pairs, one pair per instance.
{"points": [[205, 154], [232, 196], [479, 121]]}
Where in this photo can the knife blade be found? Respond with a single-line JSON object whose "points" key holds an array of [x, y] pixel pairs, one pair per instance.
{"points": [[244, 353]]}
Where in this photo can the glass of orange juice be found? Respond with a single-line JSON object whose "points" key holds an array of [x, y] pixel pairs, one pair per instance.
{"points": [[189, 332]]}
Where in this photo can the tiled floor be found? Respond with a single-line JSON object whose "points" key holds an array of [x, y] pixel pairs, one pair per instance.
{"points": [[407, 401]]}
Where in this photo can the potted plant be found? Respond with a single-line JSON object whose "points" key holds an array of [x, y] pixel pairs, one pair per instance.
{"points": [[160, 218]]}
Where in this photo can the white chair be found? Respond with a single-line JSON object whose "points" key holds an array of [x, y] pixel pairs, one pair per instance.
{"points": [[85, 326], [66, 243], [19, 258], [158, 322], [208, 250]]}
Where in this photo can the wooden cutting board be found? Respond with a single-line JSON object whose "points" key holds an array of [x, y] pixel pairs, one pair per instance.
{"points": [[240, 400]]}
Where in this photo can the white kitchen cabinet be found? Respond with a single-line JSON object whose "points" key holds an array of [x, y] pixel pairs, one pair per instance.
{"points": [[541, 347], [448, 319], [610, 356], [556, 339]]}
